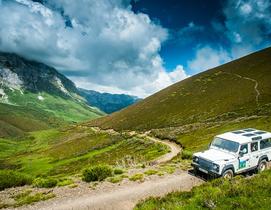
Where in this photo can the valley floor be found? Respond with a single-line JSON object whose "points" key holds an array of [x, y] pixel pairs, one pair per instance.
{"points": [[125, 194]]}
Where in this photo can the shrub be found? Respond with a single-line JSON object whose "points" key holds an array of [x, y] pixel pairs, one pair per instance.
{"points": [[10, 178], [187, 155], [118, 171], [150, 172], [45, 183], [97, 173], [137, 177], [115, 179]]}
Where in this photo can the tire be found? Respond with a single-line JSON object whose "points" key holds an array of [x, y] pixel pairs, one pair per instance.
{"points": [[195, 171], [228, 174], [262, 166]]}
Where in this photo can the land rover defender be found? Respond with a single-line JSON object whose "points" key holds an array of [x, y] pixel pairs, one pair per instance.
{"points": [[234, 153]]}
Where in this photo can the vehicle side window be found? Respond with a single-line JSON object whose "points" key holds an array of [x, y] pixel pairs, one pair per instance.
{"points": [[254, 147], [244, 149], [266, 143]]}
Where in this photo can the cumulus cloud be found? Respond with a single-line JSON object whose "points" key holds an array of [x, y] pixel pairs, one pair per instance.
{"points": [[246, 28], [247, 25], [208, 57], [105, 45]]}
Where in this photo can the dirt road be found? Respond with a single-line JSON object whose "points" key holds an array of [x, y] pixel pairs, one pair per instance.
{"points": [[175, 149], [122, 197], [126, 195]]}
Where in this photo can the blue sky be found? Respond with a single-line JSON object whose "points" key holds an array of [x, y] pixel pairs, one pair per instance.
{"points": [[193, 24], [177, 16], [135, 47]]}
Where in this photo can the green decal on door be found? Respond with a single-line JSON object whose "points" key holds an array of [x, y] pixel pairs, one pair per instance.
{"points": [[242, 164]]}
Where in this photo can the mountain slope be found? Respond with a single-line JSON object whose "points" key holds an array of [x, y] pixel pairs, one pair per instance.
{"points": [[236, 89], [107, 102], [34, 96]]}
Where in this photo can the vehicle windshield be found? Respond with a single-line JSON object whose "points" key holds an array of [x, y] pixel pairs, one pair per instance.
{"points": [[224, 144]]}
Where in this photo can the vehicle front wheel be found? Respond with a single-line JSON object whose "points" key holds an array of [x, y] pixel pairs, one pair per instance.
{"points": [[228, 174], [262, 166]]}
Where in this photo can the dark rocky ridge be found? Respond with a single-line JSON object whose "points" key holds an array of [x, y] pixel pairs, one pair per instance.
{"points": [[36, 77]]}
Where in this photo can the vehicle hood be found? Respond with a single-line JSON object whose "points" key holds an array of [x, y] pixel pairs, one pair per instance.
{"points": [[215, 155]]}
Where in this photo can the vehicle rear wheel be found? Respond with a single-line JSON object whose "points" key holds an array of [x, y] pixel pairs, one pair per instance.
{"points": [[228, 174], [262, 166]]}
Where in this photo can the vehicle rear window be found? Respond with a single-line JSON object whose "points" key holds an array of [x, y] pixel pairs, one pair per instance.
{"points": [[266, 143]]}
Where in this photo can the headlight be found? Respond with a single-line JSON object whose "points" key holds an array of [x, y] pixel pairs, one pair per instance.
{"points": [[216, 167], [195, 159]]}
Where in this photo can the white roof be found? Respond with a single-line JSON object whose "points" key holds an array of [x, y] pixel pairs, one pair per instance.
{"points": [[245, 135]]}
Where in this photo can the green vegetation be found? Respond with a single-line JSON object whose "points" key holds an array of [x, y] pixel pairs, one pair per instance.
{"points": [[239, 193], [97, 173], [137, 177], [28, 197], [67, 109], [64, 182], [213, 96], [10, 178], [151, 172], [115, 179], [31, 114], [186, 155], [118, 171], [45, 182], [65, 152]]}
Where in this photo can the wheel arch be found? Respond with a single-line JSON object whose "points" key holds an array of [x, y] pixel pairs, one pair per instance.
{"points": [[227, 167], [264, 157]]}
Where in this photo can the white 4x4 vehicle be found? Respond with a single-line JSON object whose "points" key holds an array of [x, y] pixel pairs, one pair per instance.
{"points": [[235, 152]]}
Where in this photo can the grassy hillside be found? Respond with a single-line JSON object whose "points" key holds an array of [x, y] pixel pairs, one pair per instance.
{"points": [[238, 193], [25, 112], [67, 151], [238, 89]]}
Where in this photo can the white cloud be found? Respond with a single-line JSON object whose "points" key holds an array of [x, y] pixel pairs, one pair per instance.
{"points": [[247, 25], [162, 80], [108, 45], [207, 57]]}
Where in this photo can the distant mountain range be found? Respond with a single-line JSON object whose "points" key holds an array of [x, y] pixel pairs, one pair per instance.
{"points": [[35, 96], [107, 102]]}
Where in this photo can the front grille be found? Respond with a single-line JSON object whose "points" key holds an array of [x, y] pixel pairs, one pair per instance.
{"points": [[205, 164]]}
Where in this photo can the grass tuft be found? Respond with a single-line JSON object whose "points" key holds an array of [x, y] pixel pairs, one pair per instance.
{"points": [[137, 177]]}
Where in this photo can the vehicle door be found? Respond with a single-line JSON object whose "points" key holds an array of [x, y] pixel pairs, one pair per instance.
{"points": [[254, 156], [244, 158]]}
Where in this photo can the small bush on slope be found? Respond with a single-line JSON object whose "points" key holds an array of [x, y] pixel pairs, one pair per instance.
{"points": [[97, 173], [239, 193], [45, 183], [13, 179], [118, 171]]}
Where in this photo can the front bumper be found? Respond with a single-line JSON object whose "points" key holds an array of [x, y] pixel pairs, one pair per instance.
{"points": [[205, 171]]}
